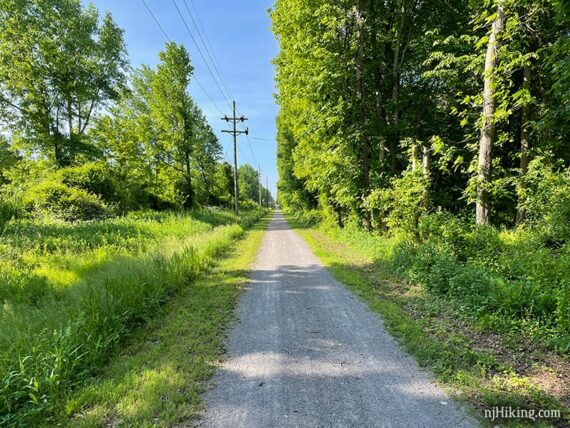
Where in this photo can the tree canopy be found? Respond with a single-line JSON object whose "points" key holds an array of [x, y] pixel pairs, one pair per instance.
{"points": [[393, 104]]}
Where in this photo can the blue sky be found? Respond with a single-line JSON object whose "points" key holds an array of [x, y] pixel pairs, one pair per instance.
{"points": [[243, 47]]}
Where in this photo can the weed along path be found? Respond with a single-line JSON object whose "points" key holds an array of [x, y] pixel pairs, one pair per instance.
{"points": [[307, 353]]}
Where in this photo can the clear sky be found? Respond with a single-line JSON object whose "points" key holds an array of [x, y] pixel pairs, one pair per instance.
{"points": [[243, 46]]}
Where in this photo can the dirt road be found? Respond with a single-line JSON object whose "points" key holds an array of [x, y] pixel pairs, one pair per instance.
{"points": [[307, 353]]}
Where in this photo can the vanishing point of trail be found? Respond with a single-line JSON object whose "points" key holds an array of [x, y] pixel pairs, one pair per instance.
{"points": [[307, 353]]}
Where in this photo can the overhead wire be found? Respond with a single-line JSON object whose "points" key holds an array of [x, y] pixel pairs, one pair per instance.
{"points": [[156, 20], [219, 81], [198, 82], [201, 53], [212, 56], [202, 35], [209, 51], [223, 76]]}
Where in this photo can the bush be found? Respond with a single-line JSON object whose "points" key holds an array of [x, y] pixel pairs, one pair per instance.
{"points": [[430, 265], [7, 211], [471, 282], [92, 177], [62, 202], [563, 310], [400, 206], [546, 201]]}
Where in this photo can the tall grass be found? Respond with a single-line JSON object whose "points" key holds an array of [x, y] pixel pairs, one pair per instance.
{"points": [[71, 293]]}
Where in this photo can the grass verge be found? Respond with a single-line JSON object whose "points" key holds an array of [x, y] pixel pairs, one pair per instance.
{"points": [[481, 368], [72, 293], [156, 380]]}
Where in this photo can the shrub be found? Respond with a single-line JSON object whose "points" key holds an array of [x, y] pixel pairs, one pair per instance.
{"points": [[546, 201], [92, 177], [444, 227], [563, 312], [430, 264], [6, 212], [400, 206], [62, 202], [471, 282]]}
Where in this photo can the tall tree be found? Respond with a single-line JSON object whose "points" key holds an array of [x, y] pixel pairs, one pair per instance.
{"points": [[483, 207], [59, 64], [171, 108]]}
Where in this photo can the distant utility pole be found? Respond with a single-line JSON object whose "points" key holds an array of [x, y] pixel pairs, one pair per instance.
{"points": [[259, 184], [235, 133]]}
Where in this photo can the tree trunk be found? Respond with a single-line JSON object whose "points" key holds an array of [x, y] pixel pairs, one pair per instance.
{"points": [[379, 102], [416, 155], [426, 167], [189, 195], [483, 208], [365, 146], [525, 137], [395, 134]]}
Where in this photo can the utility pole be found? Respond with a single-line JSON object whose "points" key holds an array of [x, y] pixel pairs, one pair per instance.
{"points": [[235, 133], [259, 184]]}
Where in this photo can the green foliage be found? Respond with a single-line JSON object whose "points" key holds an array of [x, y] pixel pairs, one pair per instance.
{"points": [[7, 212], [369, 91], [545, 196], [400, 206], [73, 294], [94, 178], [52, 198], [59, 64], [506, 273]]}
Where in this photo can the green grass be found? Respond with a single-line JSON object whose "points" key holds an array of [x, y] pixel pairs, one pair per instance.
{"points": [[156, 380], [480, 368], [71, 293]]}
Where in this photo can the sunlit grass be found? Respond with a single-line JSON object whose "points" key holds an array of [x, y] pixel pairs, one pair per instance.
{"points": [[157, 379], [71, 292]]}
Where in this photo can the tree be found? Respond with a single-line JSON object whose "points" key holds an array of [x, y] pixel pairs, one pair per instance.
{"points": [[172, 109], [483, 208], [371, 91], [8, 158], [248, 183], [158, 140], [59, 64]]}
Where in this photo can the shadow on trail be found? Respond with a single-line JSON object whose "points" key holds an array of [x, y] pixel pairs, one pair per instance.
{"points": [[306, 351]]}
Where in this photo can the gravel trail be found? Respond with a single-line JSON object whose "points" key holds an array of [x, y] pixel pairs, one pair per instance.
{"points": [[307, 353]]}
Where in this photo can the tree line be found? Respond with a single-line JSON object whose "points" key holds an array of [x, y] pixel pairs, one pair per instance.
{"points": [[394, 109], [84, 134]]}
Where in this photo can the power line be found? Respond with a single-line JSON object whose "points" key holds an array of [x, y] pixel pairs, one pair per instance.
{"points": [[211, 53], [156, 20], [262, 139], [170, 40], [207, 50], [200, 52], [210, 45]]}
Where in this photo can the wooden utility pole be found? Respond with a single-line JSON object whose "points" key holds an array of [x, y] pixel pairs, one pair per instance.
{"points": [[235, 133]]}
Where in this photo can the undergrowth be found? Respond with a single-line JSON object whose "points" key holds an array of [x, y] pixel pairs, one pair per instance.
{"points": [[71, 293]]}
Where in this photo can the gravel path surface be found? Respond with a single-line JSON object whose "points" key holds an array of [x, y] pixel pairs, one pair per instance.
{"points": [[307, 353]]}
